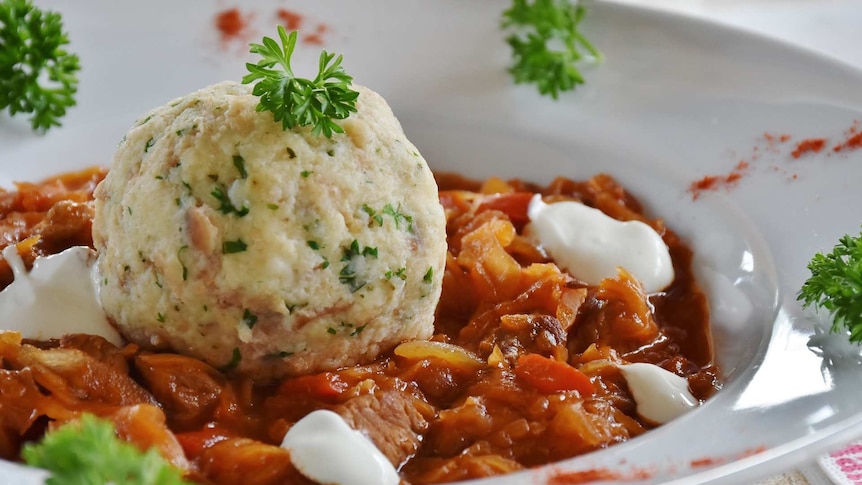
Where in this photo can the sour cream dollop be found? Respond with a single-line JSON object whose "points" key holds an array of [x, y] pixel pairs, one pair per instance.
{"points": [[59, 296], [326, 449], [661, 395], [591, 245]]}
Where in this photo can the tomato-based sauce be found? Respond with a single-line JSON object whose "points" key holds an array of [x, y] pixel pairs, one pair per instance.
{"points": [[523, 369]]}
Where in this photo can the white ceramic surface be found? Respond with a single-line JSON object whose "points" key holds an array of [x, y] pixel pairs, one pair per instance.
{"points": [[675, 100]]}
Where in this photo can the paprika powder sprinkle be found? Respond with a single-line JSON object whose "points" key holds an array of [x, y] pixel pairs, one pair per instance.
{"points": [[702, 462], [852, 140], [585, 476], [595, 475], [808, 145], [772, 140], [852, 143], [317, 37], [714, 182], [291, 19], [230, 23]]}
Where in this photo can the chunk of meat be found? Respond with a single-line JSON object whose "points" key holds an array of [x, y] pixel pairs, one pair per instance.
{"points": [[202, 232], [66, 224], [391, 419], [188, 389]]}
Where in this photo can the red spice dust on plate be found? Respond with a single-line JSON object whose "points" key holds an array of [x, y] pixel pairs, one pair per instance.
{"points": [[230, 23], [317, 37], [809, 145], [294, 21], [852, 140], [764, 145], [715, 182], [290, 19], [234, 24], [595, 475], [771, 143], [705, 462]]}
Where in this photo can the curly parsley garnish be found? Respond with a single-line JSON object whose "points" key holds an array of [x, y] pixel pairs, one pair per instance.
{"points": [[836, 285], [296, 101], [547, 45], [37, 75], [88, 451]]}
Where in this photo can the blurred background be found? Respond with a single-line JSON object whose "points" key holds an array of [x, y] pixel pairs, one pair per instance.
{"points": [[831, 27]]}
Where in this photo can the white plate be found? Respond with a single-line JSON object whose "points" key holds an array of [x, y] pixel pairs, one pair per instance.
{"points": [[675, 100]]}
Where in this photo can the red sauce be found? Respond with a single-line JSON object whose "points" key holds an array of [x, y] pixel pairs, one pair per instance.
{"points": [[808, 145], [291, 19], [230, 23], [442, 420]]}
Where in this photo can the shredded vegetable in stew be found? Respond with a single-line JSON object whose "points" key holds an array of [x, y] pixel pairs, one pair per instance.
{"points": [[524, 368]]}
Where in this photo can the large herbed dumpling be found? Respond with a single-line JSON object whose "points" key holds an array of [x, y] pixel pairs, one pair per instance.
{"points": [[224, 237]]}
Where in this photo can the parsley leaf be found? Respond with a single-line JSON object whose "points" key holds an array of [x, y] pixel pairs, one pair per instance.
{"points": [[429, 275], [37, 75], [296, 101], [249, 318], [233, 247], [225, 204], [88, 452], [836, 285], [398, 216], [235, 359], [239, 163], [547, 44]]}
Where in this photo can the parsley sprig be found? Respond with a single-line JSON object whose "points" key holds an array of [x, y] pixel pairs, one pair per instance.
{"points": [[547, 45], [296, 101], [37, 75], [836, 285], [88, 452]]}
